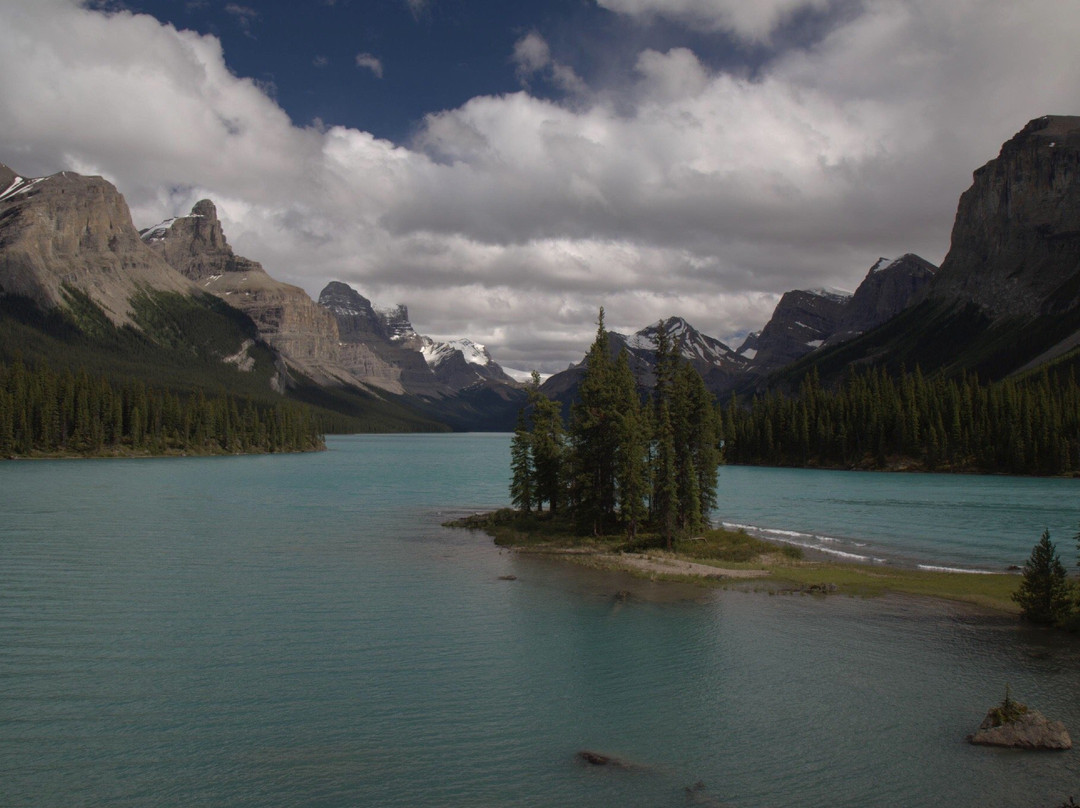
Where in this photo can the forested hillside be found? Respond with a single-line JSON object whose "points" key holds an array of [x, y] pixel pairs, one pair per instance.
{"points": [[873, 420]]}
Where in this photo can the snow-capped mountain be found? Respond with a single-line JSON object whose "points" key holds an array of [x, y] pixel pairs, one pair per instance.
{"points": [[718, 364], [426, 367], [692, 344]]}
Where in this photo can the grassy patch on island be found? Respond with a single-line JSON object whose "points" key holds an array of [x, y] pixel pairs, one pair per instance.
{"points": [[787, 569]]}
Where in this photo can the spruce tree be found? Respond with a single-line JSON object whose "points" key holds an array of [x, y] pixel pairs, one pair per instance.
{"points": [[521, 466], [631, 450], [548, 447], [594, 437], [1044, 594]]}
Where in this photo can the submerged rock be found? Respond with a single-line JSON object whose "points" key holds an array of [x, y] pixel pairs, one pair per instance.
{"points": [[598, 759], [1029, 730]]}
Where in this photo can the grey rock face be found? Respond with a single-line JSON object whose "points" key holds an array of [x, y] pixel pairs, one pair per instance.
{"points": [[802, 321], [422, 366], [305, 334], [75, 231], [1016, 238], [888, 288]]}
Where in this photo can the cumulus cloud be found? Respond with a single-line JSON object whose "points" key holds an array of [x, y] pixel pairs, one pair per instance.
{"points": [[370, 62], [511, 219], [532, 57], [752, 21]]}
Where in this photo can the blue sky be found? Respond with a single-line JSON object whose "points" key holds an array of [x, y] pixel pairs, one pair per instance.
{"points": [[382, 65], [504, 169]]}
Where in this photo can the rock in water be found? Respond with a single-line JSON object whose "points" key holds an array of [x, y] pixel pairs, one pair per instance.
{"points": [[1032, 730]]}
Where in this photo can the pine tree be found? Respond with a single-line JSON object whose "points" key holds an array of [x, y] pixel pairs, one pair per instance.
{"points": [[521, 466], [632, 449], [594, 437], [1044, 594], [548, 447]]}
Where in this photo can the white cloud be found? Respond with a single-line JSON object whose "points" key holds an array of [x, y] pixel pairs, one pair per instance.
{"points": [[752, 20], [511, 219], [370, 62], [531, 54], [532, 57]]}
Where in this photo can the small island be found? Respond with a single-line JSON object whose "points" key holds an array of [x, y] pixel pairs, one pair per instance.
{"points": [[1011, 724], [627, 485]]}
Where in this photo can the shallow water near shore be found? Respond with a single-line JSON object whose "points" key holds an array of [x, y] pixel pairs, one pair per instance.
{"points": [[299, 630]]}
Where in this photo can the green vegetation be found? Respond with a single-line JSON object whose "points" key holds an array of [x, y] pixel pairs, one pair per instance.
{"points": [[622, 465], [43, 412], [1020, 426], [179, 347], [786, 570], [733, 546], [1045, 595], [1008, 711]]}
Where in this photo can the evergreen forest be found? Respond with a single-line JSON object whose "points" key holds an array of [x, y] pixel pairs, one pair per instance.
{"points": [[44, 412], [621, 464], [1028, 425]]}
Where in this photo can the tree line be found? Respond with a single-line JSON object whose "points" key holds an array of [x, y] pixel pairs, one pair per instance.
{"points": [[47, 412], [623, 463], [1017, 426]]}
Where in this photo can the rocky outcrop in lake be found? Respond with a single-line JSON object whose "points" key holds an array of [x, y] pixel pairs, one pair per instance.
{"points": [[1012, 724]]}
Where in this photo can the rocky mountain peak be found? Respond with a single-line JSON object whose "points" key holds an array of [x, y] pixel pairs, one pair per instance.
{"points": [[195, 244], [889, 287], [356, 318], [7, 178], [69, 230], [398, 326], [1015, 241], [205, 209]]}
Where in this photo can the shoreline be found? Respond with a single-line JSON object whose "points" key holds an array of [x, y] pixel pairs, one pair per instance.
{"points": [[771, 567]]}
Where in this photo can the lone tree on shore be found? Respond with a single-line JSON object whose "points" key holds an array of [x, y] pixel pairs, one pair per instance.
{"points": [[1045, 596]]}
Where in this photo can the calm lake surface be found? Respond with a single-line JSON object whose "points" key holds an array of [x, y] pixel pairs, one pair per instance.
{"points": [[300, 631]]}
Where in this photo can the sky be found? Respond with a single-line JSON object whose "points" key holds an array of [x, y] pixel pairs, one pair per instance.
{"points": [[505, 169]]}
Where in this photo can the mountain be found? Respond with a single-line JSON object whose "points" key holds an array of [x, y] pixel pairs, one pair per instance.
{"points": [[421, 365], [1007, 296], [462, 363], [719, 365], [801, 322], [68, 232], [888, 288], [456, 382], [806, 320], [81, 289], [305, 334]]}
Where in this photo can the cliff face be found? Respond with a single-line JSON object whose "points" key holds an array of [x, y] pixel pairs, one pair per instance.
{"points": [[888, 288], [305, 334], [801, 322], [419, 364], [76, 231], [1016, 238]]}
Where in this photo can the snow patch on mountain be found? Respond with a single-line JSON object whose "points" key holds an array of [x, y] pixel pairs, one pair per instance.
{"points": [[435, 353], [18, 186], [838, 295], [882, 264]]}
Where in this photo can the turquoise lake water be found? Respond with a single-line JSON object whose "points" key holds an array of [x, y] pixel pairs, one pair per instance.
{"points": [[300, 631]]}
